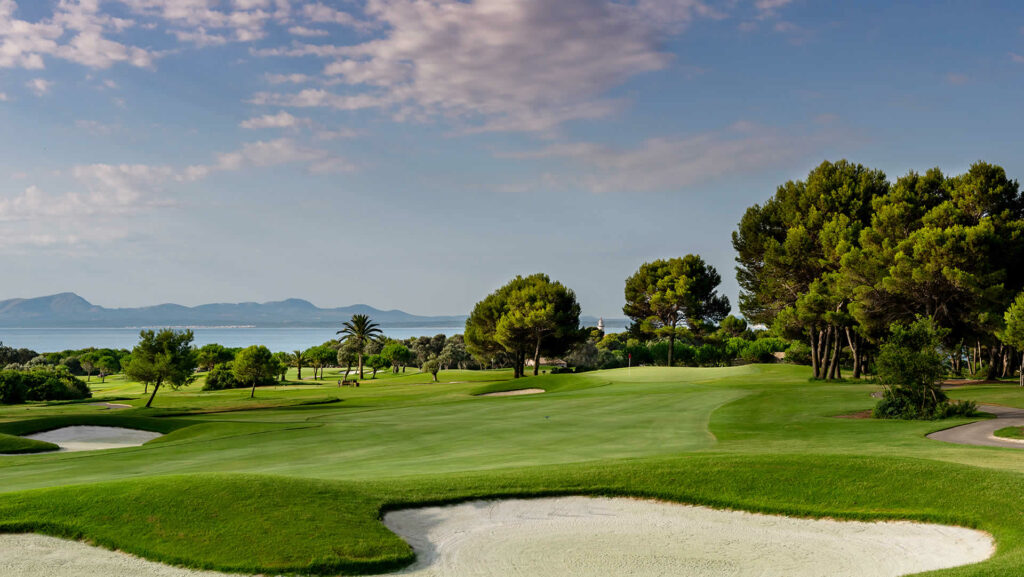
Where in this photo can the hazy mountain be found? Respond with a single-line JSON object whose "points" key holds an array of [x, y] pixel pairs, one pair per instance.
{"points": [[71, 310]]}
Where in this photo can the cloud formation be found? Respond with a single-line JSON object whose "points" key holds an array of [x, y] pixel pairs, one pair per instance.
{"points": [[664, 164], [491, 64]]}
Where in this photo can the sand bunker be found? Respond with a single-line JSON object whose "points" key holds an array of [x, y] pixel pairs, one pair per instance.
{"points": [[514, 393], [88, 438], [40, 556], [586, 537], [581, 536]]}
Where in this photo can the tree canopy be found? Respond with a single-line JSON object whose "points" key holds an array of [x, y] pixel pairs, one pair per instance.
{"points": [[527, 318], [664, 293], [163, 357]]}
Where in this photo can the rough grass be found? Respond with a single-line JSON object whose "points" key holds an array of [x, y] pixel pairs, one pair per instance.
{"points": [[1010, 432], [13, 445], [294, 487]]}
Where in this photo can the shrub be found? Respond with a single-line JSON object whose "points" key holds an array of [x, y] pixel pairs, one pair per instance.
{"points": [[41, 384], [798, 353], [909, 366], [222, 377], [763, 350]]}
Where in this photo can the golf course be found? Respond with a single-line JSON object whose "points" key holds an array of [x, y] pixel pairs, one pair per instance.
{"points": [[298, 479]]}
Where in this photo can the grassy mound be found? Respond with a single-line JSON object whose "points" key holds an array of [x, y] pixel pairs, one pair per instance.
{"points": [[12, 445], [1010, 433]]}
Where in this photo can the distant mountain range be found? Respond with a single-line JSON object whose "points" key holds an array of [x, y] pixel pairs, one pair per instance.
{"points": [[68, 310], [71, 310]]}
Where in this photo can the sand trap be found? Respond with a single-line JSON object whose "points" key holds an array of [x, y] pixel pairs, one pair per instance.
{"points": [[111, 405], [88, 438], [586, 537], [40, 556], [579, 536], [514, 393]]}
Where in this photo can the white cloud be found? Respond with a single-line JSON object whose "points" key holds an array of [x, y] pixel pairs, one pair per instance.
{"points": [[280, 120], [307, 32], [288, 78], [1018, 58], [3, 97], [337, 134], [267, 153], [39, 86], [24, 44], [199, 37], [665, 164], [491, 64], [770, 7], [324, 14]]}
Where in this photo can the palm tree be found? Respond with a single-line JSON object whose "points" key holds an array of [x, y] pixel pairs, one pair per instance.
{"points": [[296, 359], [357, 333]]}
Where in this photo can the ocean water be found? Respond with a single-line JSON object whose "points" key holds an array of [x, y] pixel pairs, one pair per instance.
{"points": [[45, 340]]}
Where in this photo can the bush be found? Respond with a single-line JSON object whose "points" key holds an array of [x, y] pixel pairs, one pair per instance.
{"points": [[12, 390], [45, 384], [222, 377], [763, 350], [909, 366], [798, 353]]}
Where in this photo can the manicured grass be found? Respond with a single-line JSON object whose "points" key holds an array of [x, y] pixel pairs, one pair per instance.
{"points": [[1010, 432], [12, 445], [312, 479]]}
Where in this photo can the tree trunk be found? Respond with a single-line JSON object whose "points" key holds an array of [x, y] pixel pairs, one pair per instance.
{"points": [[1022, 370], [824, 345], [671, 345], [536, 358], [814, 353], [854, 344], [834, 363], [360, 366], [150, 401], [300, 371], [252, 394]]}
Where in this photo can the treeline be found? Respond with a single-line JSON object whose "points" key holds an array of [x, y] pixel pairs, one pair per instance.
{"points": [[839, 259], [78, 362]]}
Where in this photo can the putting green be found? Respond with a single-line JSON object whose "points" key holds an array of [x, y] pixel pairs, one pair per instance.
{"points": [[313, 479]]}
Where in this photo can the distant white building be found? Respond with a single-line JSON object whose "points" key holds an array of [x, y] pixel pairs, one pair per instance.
{"points": [[600, 324]]}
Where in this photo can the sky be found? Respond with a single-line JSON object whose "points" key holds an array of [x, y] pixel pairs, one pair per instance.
{"points": [[417, 154]]}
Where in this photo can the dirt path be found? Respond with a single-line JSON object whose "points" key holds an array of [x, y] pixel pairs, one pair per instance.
{"points": [[980, 433]]}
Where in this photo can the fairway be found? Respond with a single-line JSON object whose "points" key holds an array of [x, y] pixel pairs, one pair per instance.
{"points": [[312, 467]]}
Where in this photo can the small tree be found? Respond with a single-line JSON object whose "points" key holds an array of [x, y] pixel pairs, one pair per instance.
{"points": [[432, 366], [107, 365], [88, 364], [397, 354], [283, 362], [297, 358], [909, 366], [358, 332], [254, 366], [377, 362], [1013, 334], [163, 357]]}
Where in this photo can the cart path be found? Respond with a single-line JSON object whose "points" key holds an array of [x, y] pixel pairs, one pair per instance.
{"points": [[980, 433]]}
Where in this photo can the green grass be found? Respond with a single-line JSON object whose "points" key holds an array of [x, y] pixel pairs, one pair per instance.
{"points": [[12, 445], [1010, 432], [312, 478]]}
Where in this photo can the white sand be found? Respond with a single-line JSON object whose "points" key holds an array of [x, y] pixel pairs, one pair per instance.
{"points": [[87, 438], [580, 536], [514, 393], [32, 555]]}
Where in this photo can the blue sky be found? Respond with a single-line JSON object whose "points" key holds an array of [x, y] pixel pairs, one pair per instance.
{"points": [[416, 154]]}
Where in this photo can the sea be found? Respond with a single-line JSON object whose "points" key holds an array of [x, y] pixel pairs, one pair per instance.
{"points": [[48, 340]]}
